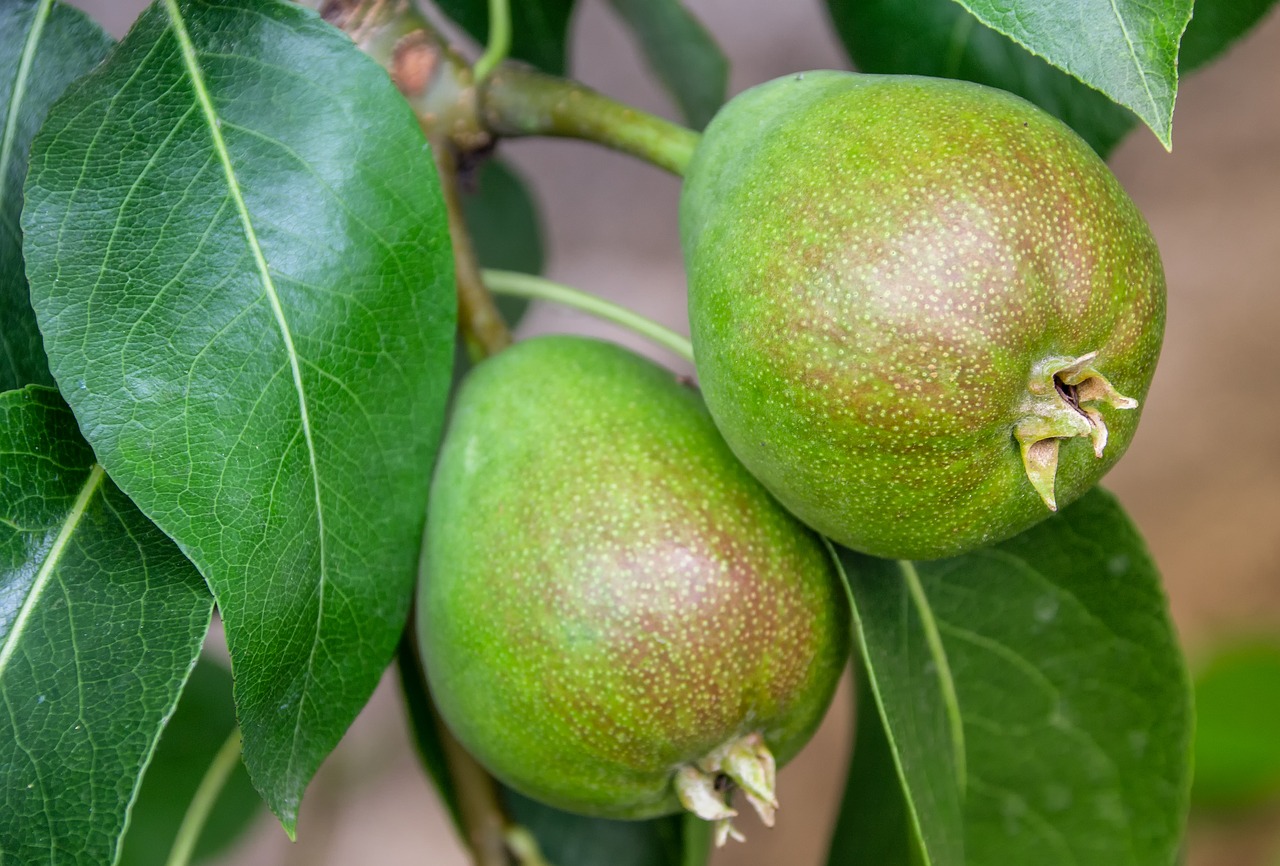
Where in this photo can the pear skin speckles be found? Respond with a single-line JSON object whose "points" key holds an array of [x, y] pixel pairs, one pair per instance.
{"points": [[607, 594], [877, 265]]}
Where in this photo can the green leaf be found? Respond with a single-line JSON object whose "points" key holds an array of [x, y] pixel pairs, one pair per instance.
{"points": [[502, 218], [1033, 694], [939, 38], [101, 620], [239, 259], [204, 719], [539, 28], [44, 46], [1127, 50], [1237, 743], [681, 53], [1215, 25], [873, 827], [575, 840]]}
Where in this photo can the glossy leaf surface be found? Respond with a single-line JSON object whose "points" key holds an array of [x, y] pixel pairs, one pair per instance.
{"points": [[204, 719], [681, 53], [1128, 49], [1033, 695], [44, 46], [940, 38], [101, 620], [239, 260], [1237, 745], [539, 28]]}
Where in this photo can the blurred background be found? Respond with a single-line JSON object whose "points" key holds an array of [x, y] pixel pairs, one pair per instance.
{"points": [[1202, 479]]}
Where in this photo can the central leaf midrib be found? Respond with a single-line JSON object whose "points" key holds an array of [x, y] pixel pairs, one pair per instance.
{"points": [[946, 682], [189, 58], [16, 95], [50, 564], [1133, 55]]}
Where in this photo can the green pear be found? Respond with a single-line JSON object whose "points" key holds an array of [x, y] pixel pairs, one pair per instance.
{"points": [[615, 617], [924, 313]]}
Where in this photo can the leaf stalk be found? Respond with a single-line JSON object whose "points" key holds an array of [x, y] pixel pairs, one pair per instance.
{"points": [[538, 288], [518, 101], [499, 39], [215, 778]]}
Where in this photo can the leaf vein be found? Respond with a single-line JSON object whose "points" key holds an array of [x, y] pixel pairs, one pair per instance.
{"points": [[25, 62], [213, 121], [49, 566]]}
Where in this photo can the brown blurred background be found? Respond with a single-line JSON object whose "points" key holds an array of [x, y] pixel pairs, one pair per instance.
{"points": [[1202, 479]]}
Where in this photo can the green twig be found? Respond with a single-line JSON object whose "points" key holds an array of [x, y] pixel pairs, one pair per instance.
{"points": [[202, 803], [527, 286], [499, 39], [468, 106], [517, 101], [524, 847]]}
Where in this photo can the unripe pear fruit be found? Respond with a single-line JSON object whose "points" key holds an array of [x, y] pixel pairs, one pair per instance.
{"points": [[615, 617], [924, 312]]}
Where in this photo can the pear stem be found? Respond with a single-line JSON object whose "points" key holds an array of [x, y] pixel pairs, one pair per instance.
{"points": [[517, 101], [528, 286], [193, 822]]}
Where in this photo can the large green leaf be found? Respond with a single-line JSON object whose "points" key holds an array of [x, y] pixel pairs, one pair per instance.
{"points": [[101, 620], [205, 718], [1237, 752], [44, 46], [239, 259], [939, 38], [1128, 49], [873, 827], [539, 28], [681, 53], [1033, 695]]}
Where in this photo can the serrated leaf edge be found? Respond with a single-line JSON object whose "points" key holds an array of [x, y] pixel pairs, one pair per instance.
{"points": [[1160, 122], [192, 66], [1146, 84], [50, 564]]}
